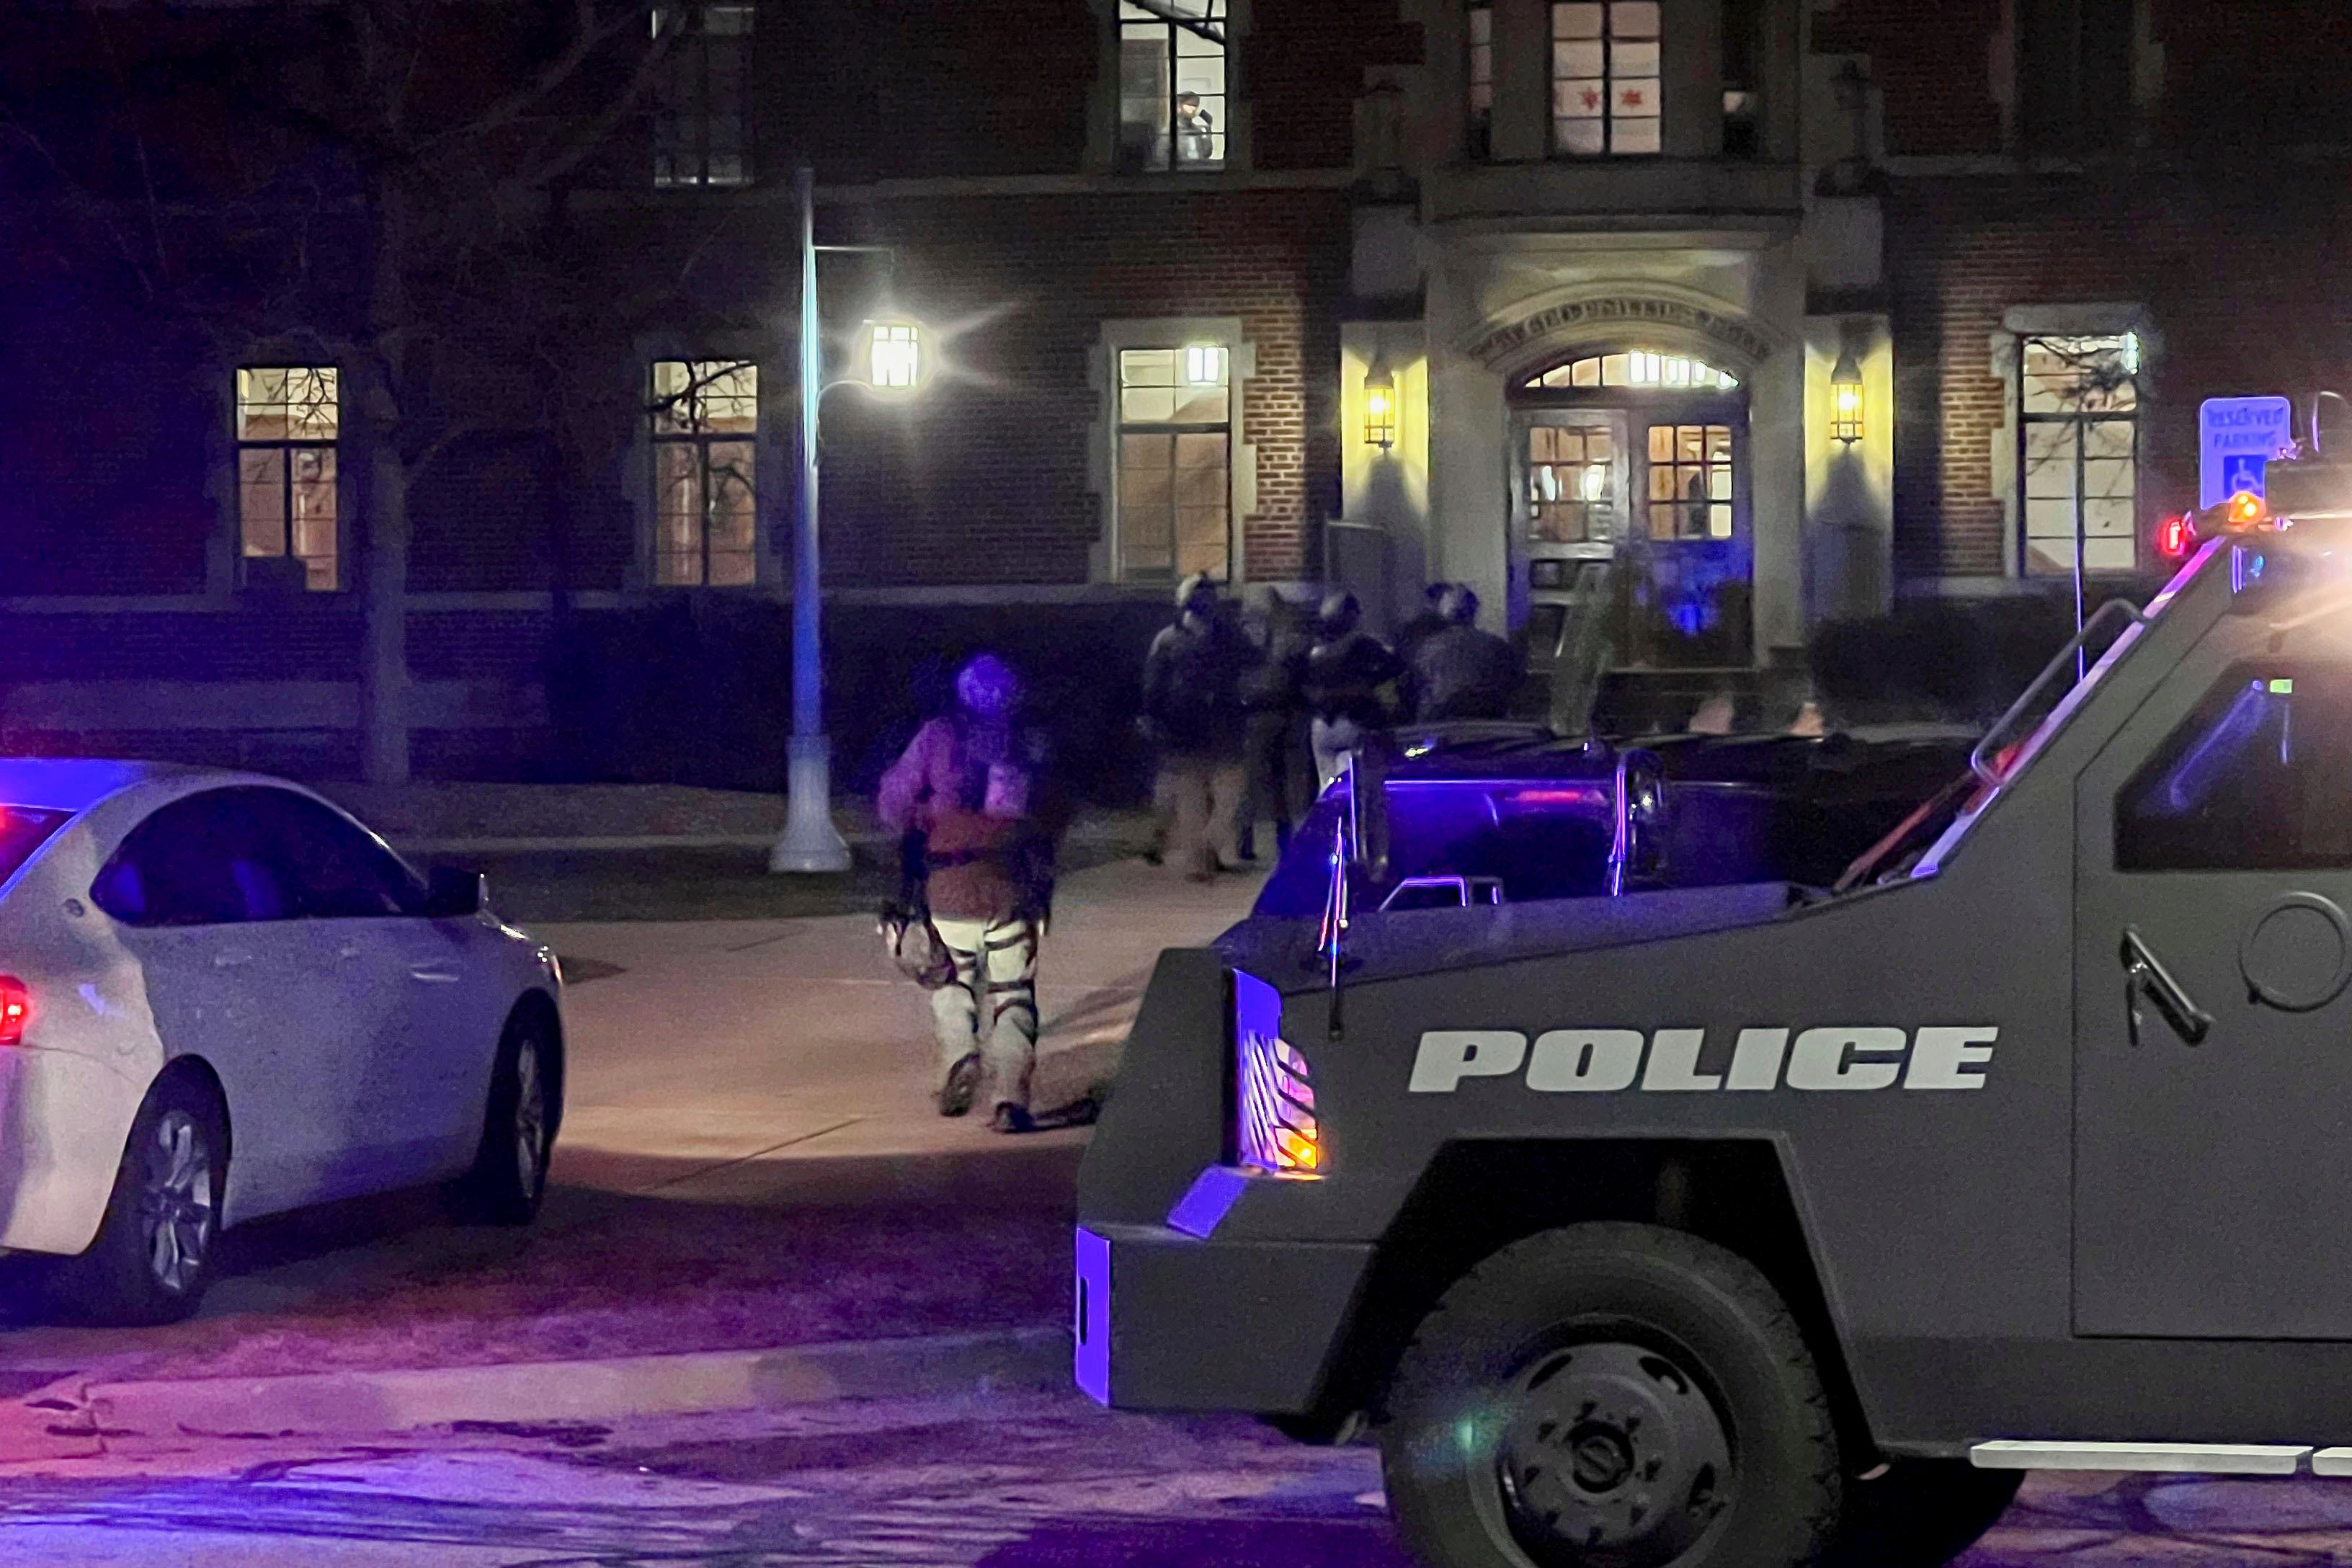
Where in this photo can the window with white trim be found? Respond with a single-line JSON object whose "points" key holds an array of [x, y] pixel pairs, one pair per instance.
{"points": [[1172, 65], [1175, 463], [1481, 79], [2078, 437], [702, 95], [289, 418], [1605, 77], [705, 435]]}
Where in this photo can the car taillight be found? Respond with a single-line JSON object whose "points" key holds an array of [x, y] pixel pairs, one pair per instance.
{"points": [[16, 1006], [1274, 1091]]}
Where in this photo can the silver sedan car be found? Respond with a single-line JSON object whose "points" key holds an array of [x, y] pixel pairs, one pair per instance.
{"points": [[220, 997]]}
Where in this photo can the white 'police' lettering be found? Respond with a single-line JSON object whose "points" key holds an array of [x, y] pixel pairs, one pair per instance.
{"points": [[1834, 1058]]}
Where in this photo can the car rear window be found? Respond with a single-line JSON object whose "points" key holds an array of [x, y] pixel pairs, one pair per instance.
{"points": [[23, 830]]}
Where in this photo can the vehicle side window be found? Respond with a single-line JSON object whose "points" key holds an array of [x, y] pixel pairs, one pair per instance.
{"points": [[197, 861], [2259, 778], [331, 870]]}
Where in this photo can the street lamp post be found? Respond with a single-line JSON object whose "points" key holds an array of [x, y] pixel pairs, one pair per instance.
{"points": [[890, 361], [811, 842]]}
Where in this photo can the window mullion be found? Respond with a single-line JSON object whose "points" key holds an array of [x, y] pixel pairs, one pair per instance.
{"points": [[1608, 79], [708, 498], [286, 511], [1175, 146], [705, 115]]}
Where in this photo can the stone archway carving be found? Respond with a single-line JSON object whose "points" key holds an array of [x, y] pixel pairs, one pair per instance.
{"points": [[1554, 328]]}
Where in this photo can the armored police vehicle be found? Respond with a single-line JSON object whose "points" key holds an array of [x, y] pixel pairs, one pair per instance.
{"points": [[1764, 1225]]}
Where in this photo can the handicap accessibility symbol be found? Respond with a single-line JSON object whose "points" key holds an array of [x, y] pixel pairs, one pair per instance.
{"points": [[2245, 475]]}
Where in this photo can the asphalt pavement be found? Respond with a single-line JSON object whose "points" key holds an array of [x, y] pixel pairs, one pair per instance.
{"points": [[1001, 1481]]}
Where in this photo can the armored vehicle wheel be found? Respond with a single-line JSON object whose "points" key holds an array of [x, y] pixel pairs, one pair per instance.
{"points": [[1921, 1513], [1610, 1396]]}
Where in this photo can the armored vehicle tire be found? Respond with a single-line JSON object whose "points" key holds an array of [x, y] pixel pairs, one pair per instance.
{"points": [[1610, 1396], [1920, 1514]]}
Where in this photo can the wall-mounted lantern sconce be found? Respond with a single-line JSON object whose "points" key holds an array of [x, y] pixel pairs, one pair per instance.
{"points": [[891, 356], [1379, 407], [1845, 396]]}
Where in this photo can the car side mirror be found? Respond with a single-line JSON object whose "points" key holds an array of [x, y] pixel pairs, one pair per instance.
{"points": [[453, 894]]}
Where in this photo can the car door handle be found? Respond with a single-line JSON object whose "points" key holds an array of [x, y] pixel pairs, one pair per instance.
{"points": [[434, 974], [2144, 975], [231, 959]]}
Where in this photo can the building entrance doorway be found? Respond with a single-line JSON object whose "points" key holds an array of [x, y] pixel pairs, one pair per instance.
{"points": [[1630, 485]]}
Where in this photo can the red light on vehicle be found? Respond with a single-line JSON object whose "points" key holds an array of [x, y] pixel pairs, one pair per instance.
{"points": [[1558, 796], [2176, 537], [16, 1007]]}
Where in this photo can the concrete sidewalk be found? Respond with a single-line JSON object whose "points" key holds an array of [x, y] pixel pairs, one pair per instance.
{"points": [[715, 1058]]}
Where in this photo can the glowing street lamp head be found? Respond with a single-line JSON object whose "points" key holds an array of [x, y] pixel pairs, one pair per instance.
{"points": [[895, 357]]}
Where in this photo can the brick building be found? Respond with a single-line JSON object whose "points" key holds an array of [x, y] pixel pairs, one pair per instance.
{"points": [[1681, 326]]}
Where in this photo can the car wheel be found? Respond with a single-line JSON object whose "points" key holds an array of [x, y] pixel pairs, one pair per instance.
{"points": [[1921, 1513], [508, 1180], [153, 1254], [1610, 1396]]}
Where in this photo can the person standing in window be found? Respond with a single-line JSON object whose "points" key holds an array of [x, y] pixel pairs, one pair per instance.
{"points": [[1192, 711], [1196, 137], [973, 783]]}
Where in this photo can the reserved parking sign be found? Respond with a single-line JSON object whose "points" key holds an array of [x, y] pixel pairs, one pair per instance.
{"points": [[2236, 439]]}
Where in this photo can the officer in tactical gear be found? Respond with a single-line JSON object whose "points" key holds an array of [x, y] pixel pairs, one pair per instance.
{"points": [[973, 782]]}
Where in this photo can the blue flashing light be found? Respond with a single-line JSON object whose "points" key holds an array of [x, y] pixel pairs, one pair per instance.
{"points": [[2245, 567]]}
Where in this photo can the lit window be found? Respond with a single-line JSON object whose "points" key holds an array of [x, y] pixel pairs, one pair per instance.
{"points": [[1171, 87], [1690, 482], [706, 425], [1604, 76], [1482, 79], [702, 97], [1670, 372], [896, 354], [1174, 458], [1571, 496], [2079, 437], [287, 420]]}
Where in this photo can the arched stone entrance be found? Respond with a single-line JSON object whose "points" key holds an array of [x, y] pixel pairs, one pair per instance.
{"points": [[1632, 509]]}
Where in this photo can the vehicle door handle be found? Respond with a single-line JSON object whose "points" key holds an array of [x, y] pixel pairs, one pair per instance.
{"points": [[434, 974], [2144, 975], [231, 959]]}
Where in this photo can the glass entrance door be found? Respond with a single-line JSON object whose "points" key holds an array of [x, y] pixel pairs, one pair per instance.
{"points": [[1690, 583], [1574, 471]]}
